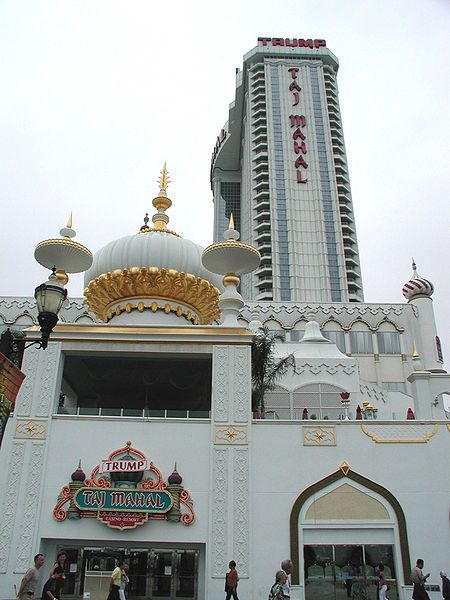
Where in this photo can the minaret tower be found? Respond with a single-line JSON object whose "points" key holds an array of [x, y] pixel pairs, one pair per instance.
{"points": [[418, 291]]}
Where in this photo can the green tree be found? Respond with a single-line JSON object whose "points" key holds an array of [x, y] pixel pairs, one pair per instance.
{"points": [[266, 369]]}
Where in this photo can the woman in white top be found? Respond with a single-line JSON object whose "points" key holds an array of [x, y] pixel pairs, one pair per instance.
{"points": [[382, 587]]}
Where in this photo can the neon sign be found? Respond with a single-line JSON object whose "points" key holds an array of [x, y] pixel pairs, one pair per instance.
{"points": [[298, 123]]}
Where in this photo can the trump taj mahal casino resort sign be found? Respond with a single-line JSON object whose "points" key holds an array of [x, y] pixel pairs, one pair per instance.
{"points": [[124, 491]]}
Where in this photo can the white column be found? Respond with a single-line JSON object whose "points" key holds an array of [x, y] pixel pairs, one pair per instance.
{"points": [[426, 345]]}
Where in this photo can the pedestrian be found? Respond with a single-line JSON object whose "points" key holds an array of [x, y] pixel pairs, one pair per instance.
{"points": [[114, 585], [30, 580], [54, 585], [445, 585], [419, 579], [382, 587], [124, 580], [276, 591], [231, 581], [61, 563], [287, 566]]}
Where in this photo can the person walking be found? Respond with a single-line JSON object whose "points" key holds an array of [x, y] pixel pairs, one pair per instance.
{"points": [[287, 566], [445, 585], [54, 585], [276, 591], [382, 587], [124, 580], [419, 579], [114, 586], [30, 580], [231, 581]]}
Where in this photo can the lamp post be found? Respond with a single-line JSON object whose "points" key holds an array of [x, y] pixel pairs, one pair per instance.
{"points": [[62, 256]]}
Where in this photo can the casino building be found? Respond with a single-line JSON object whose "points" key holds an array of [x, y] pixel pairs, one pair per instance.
{"points": [[134, 435], [280, 167]]}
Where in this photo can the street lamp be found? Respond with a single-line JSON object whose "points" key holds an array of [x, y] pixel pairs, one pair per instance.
{"points": [[50, 297]]}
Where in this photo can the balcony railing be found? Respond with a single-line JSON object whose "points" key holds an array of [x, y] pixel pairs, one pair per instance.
{"points": [[143, 413]]}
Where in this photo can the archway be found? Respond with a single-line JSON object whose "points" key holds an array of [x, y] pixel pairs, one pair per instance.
{"points": [[329, 482]]}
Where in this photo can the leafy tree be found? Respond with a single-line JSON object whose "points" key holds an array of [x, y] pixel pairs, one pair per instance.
{"points": [[266, 369]]}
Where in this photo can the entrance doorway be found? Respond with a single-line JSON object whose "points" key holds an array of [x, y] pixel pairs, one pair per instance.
{"points": [[338, 572], [160, 574]]}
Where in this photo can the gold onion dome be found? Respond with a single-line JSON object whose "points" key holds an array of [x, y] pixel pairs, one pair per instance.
{"points": [[155, 274], [64, 254]]}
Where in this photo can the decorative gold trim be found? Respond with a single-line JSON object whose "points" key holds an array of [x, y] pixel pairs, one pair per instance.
{"points": [[448, 426], [379, 440], [376, 357], [229, 243], [345, 468], [97, 329], [140, 306], [30, 429], [403, 357], [153, 282], [231, 434], [146, 229], [319, 436], [65, 242]]}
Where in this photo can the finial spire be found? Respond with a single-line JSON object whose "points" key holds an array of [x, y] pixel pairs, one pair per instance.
{"points": [[162, 202], [164, 179], [231, 224], [414, 268], [67, 231]]}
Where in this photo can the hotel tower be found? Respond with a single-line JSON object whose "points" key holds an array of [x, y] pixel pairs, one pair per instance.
{"points": [[280, 166]]}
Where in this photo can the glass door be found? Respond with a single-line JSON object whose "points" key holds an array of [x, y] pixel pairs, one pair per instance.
{"points": [[173, 574]]}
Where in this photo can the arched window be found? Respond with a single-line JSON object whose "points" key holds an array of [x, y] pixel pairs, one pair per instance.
{"points": [[321, 400]]}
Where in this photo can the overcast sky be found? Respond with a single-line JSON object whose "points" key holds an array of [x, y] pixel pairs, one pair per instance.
{"points": [[95, 96]]}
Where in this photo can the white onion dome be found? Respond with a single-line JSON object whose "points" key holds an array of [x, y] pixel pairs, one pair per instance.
{"points": [[154, 272], [417, 286]]}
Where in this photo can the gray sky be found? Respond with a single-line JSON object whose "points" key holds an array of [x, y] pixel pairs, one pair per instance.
{"points": [[97, 95]]}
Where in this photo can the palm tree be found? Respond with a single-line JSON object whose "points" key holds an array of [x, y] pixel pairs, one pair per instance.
{"points": [[266, 370]]}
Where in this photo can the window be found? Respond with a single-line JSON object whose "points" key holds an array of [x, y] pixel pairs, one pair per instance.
{"points": [[136, 386], [321, 400], [337, 337], [388, 342], [361, 342]]}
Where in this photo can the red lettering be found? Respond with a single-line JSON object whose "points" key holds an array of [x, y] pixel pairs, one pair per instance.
{"points": [[296, 98], [294, 86], [264, 40], [305, 43], [292, 43], [277, 42], [299, 178], [293, 72], [297, 120], [298, 133], [115, 466], [300, 162], [320, 43]]}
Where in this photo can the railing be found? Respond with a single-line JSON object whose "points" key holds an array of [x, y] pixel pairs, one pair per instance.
{"points": [[146, 413]]}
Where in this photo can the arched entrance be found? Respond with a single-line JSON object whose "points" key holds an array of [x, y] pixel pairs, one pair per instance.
{"points": [[341, 527]]}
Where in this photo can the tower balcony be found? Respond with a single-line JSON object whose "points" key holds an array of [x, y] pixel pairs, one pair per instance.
{"points": [[260, 121], [263, 204], [262, 226], [258, 113], [261, 165], [260, 175], [265, 296], [260, 147], [264, 281], [266, 258], [342, 188], [264, 236], [264, 271], [265, 247], [260, 137]]}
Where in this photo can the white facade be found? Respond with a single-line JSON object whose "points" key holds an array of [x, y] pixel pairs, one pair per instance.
{"points": [[280, 166], [262, 489]]}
